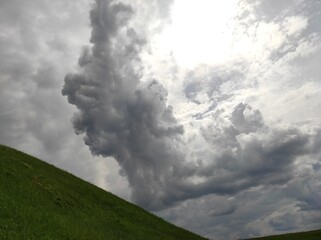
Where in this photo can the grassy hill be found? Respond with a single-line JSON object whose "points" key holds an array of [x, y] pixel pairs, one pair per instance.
{"points": [[311, 235], [40, 201]]}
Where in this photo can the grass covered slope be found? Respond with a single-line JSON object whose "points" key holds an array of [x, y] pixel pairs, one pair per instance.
{"points": [[311, 235], [40, 201]]}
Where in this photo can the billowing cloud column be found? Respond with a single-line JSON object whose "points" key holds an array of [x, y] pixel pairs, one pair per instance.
{"points": [[120, 116]]}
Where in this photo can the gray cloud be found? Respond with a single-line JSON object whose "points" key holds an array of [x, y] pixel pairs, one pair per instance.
{"points": [[225, 209], [39, 41], [247, 153], [122, 117], [244, 156], [211, 82], [119, 116], [284, 223]]}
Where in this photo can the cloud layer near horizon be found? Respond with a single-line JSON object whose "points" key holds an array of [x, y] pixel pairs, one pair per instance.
{"points": [[231, 144]]}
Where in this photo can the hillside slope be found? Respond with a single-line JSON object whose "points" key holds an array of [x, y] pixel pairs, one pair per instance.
{"points": [[40, 201], [311, 235]]}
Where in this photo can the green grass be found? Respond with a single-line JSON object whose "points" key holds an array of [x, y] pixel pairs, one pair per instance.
{"points": [[311, 235], [40, 201]]}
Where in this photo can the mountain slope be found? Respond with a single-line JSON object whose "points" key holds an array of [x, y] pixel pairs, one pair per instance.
{"points": [[40, 201]]}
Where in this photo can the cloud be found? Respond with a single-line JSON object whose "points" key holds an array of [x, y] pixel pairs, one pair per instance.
{"points": [[244, 152], [284, 222], [233, 144], [270, 138], [225, 209], [40, 42], [119, 116], [129, 119]]}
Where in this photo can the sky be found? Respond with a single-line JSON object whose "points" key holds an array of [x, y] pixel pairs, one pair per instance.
{"points": [[206, 113]]}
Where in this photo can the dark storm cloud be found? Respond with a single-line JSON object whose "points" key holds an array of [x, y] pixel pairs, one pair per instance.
{"points": [[246, 153], [119, 116], [251, 149]]}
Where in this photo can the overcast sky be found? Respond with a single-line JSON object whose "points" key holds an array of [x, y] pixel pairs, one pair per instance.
{"points": [[207, 113]]}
